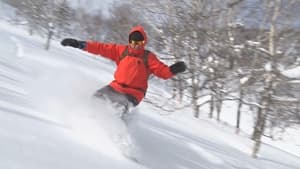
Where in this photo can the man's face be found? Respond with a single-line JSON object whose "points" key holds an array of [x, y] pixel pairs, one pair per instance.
{"points": [[137, 44]]}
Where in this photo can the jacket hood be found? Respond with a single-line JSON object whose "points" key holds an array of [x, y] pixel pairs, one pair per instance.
{"points": [[141, 30]]}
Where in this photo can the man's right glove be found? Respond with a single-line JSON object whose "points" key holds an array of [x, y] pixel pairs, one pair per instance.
{"points": [[73, 43], [178, 67]]}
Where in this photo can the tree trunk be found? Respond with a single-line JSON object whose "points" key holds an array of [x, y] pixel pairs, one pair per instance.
{"points": [[49, 37], [266, 97], [195, 98], [196, 111], [195, 108], [211, 106], [194, 102], [238, 116], [259, 132], [272, 46], [257, 124], [262, 114], [219, 106], [30, 31], [180, 92]]}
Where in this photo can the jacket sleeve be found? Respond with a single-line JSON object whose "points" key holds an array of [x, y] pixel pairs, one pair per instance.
{"points": [[158, 68], [110, 51]]}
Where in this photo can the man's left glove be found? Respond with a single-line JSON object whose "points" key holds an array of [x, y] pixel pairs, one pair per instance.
{"points": [[178, 67], [73, 43]]}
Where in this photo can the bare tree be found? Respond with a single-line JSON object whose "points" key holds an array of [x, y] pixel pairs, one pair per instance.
{"points": [[265, 74], [44, 17], [123, 18]]}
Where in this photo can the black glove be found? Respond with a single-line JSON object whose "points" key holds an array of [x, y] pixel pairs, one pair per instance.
{"points": [[73, 43], [178, 67]]}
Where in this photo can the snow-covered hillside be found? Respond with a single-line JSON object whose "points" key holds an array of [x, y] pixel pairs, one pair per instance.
{"points": [[50, 119]]}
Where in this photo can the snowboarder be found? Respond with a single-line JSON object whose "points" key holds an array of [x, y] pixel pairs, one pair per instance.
{"points": [[134, 65]]}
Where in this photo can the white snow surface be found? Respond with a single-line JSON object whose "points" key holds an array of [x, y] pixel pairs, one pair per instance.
{"points": [[293, 73], [49, 119]]}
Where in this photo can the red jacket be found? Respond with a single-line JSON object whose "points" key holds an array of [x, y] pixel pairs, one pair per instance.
{"points": [[131, 75]]}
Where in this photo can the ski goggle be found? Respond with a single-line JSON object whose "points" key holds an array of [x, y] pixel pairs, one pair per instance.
{"points": [[140, 43]]}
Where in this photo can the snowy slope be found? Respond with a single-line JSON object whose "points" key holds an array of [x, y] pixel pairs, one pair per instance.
{"points": [[49, 119]]}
